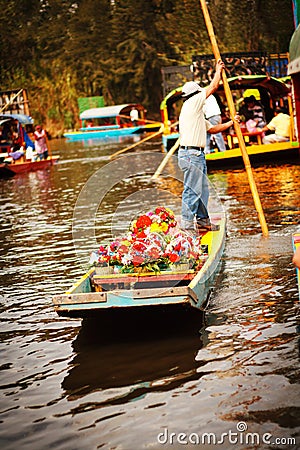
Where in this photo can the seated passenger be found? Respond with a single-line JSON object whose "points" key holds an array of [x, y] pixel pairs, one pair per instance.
{"points": [[253, 113], [281, 125], [17, 142]]}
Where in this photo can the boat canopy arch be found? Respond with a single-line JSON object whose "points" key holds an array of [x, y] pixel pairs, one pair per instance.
{"points": [[275, 87], [110, 111], [21, 118], [271, 90]]}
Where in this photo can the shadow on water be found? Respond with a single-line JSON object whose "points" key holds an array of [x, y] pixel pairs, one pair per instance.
{"points": [[141, 352]]}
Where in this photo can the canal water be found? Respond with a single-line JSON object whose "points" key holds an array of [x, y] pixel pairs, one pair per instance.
{"points": [[227, 378]]}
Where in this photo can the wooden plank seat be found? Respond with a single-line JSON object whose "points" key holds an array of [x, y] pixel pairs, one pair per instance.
{"points": [[143, 277], [141, 280]]}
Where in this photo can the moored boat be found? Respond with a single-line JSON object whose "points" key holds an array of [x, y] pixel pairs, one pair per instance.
{"points": [[16, 145], [271, 92], [13, 159], [116, 120], [186, 286]]}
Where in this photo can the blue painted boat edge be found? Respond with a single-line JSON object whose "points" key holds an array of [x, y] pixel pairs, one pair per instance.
{"points": [[101, 134], [202, 283], [122, 302]]}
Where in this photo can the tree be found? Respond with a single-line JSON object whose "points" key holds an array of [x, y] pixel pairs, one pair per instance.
{"points": [[139, 51], [62, 49]]}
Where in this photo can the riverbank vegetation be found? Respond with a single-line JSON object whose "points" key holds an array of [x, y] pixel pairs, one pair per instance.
{"points": [[60, 50]]}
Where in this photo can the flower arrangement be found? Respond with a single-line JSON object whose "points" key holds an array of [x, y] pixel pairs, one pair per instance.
{"points": [[161, 220], [154, 243]]}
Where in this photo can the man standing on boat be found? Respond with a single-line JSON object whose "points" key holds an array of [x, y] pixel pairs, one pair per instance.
{"points": [[40, 139], [193, 128]]}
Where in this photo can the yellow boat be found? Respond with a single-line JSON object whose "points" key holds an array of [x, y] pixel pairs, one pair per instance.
{"points": [[272, 92]]}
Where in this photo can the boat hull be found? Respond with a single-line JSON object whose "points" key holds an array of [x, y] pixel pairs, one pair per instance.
{"points": [[188, 289], [15, 168], [257, 153], [114, 132], [75, 135]]}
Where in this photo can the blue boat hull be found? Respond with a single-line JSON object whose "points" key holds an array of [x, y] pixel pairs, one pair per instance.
{"points": [[96, 134]]}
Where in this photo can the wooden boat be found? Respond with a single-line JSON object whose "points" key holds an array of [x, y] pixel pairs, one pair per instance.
{"points": [[8, 169], [9, 166], [296, 244], [112, 121], [185, 288], [15, 119], [271, 90]]}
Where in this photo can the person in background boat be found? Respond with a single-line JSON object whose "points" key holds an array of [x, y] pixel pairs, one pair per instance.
{"points": [[4, 135], [191, 158], [253, 113], [280, 125], [40, 142], [296, 258], [212, 113], [134, 116], [17, 142]]}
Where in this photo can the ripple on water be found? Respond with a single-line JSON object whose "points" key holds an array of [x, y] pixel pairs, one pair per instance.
{"points": [[118, 384]]}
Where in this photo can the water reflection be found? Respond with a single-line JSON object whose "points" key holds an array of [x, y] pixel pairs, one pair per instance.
{"points": [[131, 354], [63, 384]]}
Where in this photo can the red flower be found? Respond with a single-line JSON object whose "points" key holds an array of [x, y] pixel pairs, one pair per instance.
{"points": [[141, 235], [139, 247], [177, 247], [173, 257], [143, 222]]}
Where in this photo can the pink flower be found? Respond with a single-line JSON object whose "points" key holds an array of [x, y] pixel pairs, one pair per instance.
{"points": [[154, 253], [137, 260]]}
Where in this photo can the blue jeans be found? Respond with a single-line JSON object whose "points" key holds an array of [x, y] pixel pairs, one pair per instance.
{"points": [[195, 187], [218, 137]]}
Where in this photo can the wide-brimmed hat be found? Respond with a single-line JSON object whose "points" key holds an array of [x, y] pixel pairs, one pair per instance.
{"points": [[190, 88]]}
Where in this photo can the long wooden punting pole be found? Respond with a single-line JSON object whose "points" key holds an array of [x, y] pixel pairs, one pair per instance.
{"points": [[157, 133], [237, 129], [165, 160]]}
